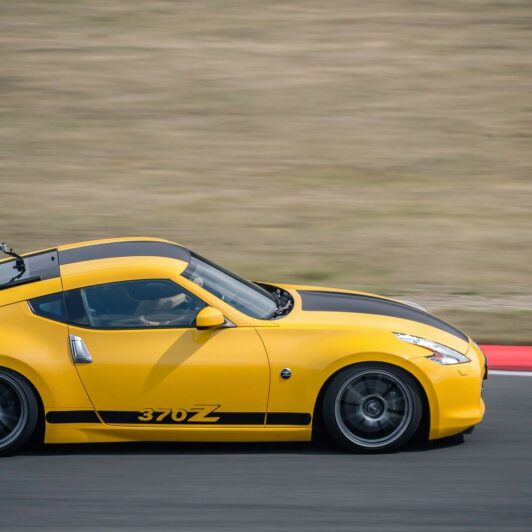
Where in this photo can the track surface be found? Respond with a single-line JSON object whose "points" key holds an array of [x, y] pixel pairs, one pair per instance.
{"points": [[484, 483]]}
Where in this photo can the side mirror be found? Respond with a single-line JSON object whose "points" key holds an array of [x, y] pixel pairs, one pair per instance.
{"points": [[209, 318]]}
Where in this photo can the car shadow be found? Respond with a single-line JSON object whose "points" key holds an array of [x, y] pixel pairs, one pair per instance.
{"points": [[319, 447]]}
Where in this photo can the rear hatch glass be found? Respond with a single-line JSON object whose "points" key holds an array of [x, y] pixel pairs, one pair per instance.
{"points": [[38, 267]]}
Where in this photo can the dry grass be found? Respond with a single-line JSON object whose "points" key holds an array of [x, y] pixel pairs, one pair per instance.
{"points": [[381, 145]]}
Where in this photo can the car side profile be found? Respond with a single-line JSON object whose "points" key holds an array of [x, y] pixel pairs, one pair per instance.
{"points": [[141, 339]]}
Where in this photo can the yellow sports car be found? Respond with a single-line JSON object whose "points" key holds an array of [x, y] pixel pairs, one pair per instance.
{"points": [[141, 339]]}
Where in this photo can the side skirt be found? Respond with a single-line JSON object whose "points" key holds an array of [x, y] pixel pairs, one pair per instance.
{"points": [[100, 433]]}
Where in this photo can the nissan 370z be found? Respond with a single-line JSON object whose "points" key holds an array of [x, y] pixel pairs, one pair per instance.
{"points": [[144, 340]]}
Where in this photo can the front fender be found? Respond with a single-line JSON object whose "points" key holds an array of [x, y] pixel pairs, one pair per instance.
{"points": [[407, 364], [315, 355]]}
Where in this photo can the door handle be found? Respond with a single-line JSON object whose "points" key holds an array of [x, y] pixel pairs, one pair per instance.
{"points": [[80, 352]]}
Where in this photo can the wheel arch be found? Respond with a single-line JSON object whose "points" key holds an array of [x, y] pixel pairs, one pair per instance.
{"points": [[429, 406], [42, 390], [38, 436]]}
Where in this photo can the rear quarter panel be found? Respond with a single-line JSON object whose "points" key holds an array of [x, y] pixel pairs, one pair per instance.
{"points": [[38, 349]]}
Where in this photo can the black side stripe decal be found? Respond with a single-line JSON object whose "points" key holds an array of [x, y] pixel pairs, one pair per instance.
{"points": [[288, 418], [323, 301], [136, 248], [72, 416], [224, 418]]}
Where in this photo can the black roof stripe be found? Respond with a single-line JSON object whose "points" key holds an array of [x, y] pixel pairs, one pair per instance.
{"points": [[134, 248], [324, 301]]}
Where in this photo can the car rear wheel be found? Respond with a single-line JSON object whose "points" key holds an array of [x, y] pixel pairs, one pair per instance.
{"points": [[19, 411], [372, 407]]}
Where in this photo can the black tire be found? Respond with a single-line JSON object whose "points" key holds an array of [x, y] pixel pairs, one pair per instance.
{"points": [[19, 411], [357, 408]]}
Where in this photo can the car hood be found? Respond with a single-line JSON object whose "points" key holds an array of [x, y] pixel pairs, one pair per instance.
{"points": [[344, 308]]}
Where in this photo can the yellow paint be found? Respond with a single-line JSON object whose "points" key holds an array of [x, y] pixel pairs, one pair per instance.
{"points": [[237, 368], [209, 318]]}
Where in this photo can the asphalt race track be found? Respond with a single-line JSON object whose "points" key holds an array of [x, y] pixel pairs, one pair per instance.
{"points": [[482, 484]]}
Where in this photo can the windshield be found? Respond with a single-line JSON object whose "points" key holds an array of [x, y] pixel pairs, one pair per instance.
{"points": [[243, 295]]}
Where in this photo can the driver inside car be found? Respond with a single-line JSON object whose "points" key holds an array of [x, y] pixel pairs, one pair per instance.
{"points": [[159, 304], [160, 312]]}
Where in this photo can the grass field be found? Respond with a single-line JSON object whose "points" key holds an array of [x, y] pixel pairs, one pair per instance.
{"points": [[384, 146]]}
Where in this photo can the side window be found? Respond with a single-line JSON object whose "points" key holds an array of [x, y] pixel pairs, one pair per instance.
{"points": [[150, 303], [51, 306]]}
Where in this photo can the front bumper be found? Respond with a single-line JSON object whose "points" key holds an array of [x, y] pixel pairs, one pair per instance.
{"points": [[454, 393]]}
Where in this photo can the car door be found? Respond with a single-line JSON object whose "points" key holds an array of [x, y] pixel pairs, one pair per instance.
{"points": [[142, 361]]}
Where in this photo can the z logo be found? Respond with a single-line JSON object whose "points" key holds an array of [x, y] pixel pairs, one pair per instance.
{"points": [[202, 411]]}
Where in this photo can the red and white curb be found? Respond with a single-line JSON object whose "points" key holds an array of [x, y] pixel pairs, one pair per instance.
{"points": [[514, 360]]}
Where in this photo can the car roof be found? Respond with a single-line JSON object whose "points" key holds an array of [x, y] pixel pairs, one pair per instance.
{"points": [[46, 265], [104, 241], [121, 247]]}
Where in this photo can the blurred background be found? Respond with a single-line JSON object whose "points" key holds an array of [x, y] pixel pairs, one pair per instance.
{"points": [[383, 146]]}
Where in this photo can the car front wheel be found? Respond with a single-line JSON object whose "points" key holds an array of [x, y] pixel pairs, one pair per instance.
{"points": [[372, 407]]}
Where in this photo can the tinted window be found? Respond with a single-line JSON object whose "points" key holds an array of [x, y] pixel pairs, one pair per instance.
{"points": [[51, 306], [42, 265], [133, 305]]}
